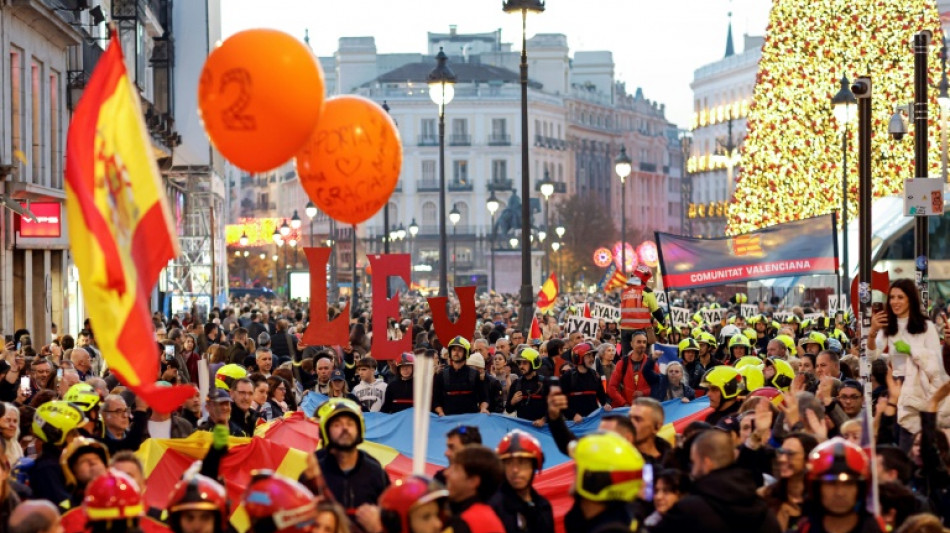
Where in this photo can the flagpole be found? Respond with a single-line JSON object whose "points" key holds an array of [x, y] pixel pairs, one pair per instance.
{"points": [[214, 277]]}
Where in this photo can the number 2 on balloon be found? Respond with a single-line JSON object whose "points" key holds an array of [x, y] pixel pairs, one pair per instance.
{"points": [[234, 116]]}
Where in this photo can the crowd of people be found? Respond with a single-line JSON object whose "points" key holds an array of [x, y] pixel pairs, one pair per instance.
{"points": [[785, 444]]}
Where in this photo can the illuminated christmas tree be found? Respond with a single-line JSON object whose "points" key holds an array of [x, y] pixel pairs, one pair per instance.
{"points": [[791, 163]]}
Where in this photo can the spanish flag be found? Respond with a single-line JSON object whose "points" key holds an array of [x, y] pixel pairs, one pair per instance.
{"points": [[547, 296], [119, 226], [617, 280]]}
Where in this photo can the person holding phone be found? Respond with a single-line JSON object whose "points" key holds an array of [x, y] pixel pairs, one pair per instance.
{"points": [[913, 346]]}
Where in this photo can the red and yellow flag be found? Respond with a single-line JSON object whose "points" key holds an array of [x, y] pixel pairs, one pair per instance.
{"points": [[119, 226], [547, 296], [616, 281]]}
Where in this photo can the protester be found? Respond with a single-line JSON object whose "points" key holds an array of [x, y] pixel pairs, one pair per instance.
{"points": [[371, 392], [458, 388], [472, 478], [517, 504]]}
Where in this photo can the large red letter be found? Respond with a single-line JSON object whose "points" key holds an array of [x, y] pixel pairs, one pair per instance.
{"points": [[384, 308], [464, 326], [322, 331]]}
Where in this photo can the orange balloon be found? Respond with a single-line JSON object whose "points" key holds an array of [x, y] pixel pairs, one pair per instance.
{"points": [[350, 165], [259, 97]]}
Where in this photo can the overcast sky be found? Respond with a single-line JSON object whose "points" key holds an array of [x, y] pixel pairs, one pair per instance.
{"points": [[656, 44]]}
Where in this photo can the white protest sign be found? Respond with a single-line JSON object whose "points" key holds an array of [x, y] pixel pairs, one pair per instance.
{"points": [[812, 316], [713, 316], [661, 299], [587, 327], [781, 316], [837, 302], [679, 316], [749, 310], [606, 312]]}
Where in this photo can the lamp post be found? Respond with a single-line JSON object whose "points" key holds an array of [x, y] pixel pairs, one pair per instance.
{"points": [[413, 231], [527, 296], [556, 246], [331, 242], [284, 229], [441, 91], [623, 165], [386, 238], [843, 105], [547, 189], [243, 239], [454, 217], [922, 228], [559, 230], [310, 211], [492, 204]]}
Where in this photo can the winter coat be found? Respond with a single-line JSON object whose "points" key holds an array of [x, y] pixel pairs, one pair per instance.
{"points": [[723, 501]]}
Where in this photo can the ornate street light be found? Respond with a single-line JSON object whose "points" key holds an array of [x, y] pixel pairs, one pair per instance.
{"points": [[623, 166], [243, 239], [284, 229], [844, 104], [441, 91], [295, 220]]}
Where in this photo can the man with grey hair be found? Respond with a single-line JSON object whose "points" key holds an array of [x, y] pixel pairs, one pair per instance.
{"points": [[82, 361], [35, 516], [481, 346], [123, 430], [102, 389], [70, 378]]}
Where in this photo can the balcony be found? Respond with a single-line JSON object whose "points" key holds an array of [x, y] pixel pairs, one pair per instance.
{"points": [[647, 167], [501, 184], [549, 142], [499, 139], [460, 139], [425, 185], [428, 140], [460, 185]]}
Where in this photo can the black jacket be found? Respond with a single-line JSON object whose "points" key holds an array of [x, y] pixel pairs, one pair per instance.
{"points": [[616, 517], [398, 396], [496, 394], [244, 421], [458, 392], [533, 404], [520, 516], [133, 436], [282, 344], [585, 392], [363, 484], [46, 476], [723, 501]]}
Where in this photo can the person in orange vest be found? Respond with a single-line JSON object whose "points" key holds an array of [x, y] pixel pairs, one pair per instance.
{"points": [[638, 307]]}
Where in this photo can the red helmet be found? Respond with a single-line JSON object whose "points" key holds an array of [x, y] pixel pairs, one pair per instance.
{"points": [[276, 504], [199, 493], [518, 443], [774, 395], [112, 496], [405, 358], [579, 351], [397, 501], [837, 460]]}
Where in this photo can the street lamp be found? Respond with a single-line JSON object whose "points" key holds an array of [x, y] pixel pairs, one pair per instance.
{"points": [[623, 166], [284, 229], [243, 239], [527, 296], [413, 231], [844, 105], [454, 217], [492, 204], [556, 245], [547, 189], [559, 230], [441, 91], [295, 220], [513, 241], [277, 237], [310, 211]]}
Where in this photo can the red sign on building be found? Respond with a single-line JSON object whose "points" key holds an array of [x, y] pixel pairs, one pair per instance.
{"points": [[48, 221]]}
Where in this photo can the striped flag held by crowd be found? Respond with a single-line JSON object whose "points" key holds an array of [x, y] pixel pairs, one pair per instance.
{"points": [[119, 226], [547, 296]]}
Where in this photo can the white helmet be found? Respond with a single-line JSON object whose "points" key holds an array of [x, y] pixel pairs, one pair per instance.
{"points": [[727, 332]]}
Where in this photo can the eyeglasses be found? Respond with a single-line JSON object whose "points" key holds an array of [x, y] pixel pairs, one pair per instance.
{"points": [[119, 411]]}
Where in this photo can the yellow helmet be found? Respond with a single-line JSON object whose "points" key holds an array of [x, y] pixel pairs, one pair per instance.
{"points": [[815, 337], [697, 318], [696, 332], [784, 373], [806, 323], [707, 338], [227, 375], [753, 378], [725, 378], [83, 395], [54, 420], [609, 468], [80, 446], [740, 298], [335, 407], [531, 355], [787, 341], [739, 340], [793, 319], [750, 334], [746, 361], [688, 344], [462, 343]]}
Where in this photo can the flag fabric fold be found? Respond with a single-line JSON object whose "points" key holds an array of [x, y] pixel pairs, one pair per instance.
{"points": [[119, 226], [617, 281], [535, 332], [547, 296]]}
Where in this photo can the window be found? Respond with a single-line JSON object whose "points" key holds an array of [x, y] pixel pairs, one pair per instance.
{"points": [[537, 127], [16, 105], [36, 121], [429, 128], [429, 212], [428, 170], [55, 155], [459, 126], [460, 171], [499, 170], [498, 127]]}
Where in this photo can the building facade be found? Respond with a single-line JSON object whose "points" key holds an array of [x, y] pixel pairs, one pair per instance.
{"points": [[722, 94]]}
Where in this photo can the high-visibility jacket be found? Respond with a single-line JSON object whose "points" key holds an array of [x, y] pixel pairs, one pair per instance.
{"points": [[634, 313]]}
